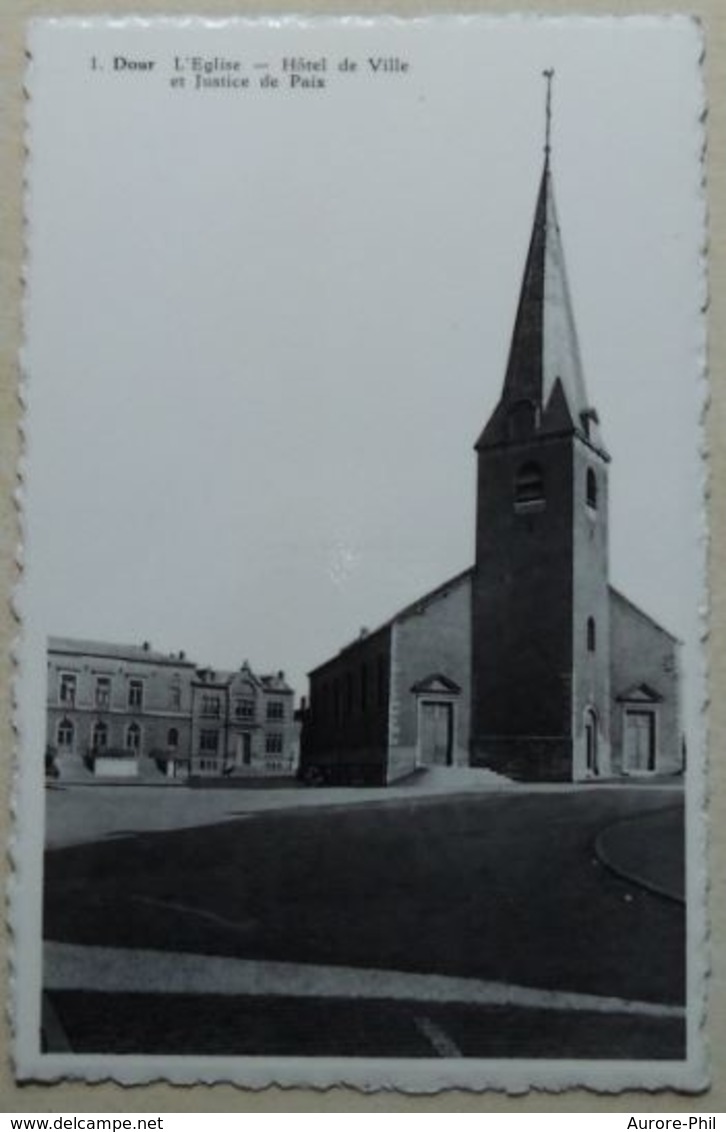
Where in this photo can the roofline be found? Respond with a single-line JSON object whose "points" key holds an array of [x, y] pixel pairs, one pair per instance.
{"points": [[68, 648], [618, 593], [560, 434], [405, 611], [351, 645], [224, 678], [413, 606]]}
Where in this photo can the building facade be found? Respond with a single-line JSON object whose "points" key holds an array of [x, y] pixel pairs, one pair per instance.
{"points": [[128, 711], [528, 663], [242, 724]]}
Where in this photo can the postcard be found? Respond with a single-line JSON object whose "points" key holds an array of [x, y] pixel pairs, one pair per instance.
{"points": [[361, 688]]}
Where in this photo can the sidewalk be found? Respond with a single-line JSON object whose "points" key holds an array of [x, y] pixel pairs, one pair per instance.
{"points": [[114, 970], [77, 814]]}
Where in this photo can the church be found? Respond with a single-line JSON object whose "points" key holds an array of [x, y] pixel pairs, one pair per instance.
{"points": [[529, 662]]}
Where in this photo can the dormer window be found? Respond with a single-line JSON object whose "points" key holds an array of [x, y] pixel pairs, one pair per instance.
{"points": [[591, 489], [529, 494]]}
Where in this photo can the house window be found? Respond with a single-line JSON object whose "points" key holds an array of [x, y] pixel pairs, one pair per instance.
{"points": [[209, 741], [136, 693], [133, 737], [175, 693], [363, 686], [65, 734], [67, 692], [244, 708], [275, 709], [172, 738], [591, 491], [211, 706], [529, 486], [273, 743], [591, 634], [103, 691], [99, 736]]}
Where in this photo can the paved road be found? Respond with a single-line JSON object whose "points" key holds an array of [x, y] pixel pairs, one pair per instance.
{"points": [[504, 887], [282, 1027], [77, 814]]}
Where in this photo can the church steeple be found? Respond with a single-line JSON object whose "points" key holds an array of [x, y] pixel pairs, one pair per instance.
{"points": [[543, 381], [540, 652]]}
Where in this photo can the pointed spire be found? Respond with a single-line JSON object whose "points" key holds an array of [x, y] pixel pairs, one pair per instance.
{"points": [[548, 75], [544, 351]]}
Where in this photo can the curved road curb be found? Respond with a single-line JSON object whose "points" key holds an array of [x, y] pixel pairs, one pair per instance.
{"points": [[633, 873]]}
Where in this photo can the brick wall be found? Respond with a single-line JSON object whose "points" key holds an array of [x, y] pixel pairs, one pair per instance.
{"points": [[434, 637], [644, 653], [346, 726]]}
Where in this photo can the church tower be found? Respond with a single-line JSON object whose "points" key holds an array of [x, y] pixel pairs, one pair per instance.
{"points": [[541, 615]]}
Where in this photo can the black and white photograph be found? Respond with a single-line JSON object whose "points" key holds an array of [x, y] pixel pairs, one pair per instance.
{"points": [[361, 683]]}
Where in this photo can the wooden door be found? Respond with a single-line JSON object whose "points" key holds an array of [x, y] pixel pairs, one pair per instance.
{"points": [[244, 749], [591, 743], [435, 740], [639, 741]]}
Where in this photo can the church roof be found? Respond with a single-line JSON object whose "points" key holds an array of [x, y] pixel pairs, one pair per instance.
{"points": [[617, 596], [413, 609], [544, 370]]}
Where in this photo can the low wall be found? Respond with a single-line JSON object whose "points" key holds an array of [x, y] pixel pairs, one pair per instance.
{"points": [[115, 767]]}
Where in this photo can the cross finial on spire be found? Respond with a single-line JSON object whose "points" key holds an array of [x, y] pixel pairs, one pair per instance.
{"points": [[548, 75]]}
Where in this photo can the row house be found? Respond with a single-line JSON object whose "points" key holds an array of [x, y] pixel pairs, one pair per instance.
{"points": [[127, 711], [242, 724]]}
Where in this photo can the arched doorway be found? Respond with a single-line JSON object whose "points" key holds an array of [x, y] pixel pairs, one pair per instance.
{"points": [[591, 752]]}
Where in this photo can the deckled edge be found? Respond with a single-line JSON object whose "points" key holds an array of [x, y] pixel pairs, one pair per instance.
{"points": [[413, 1077], [19, 786], [697, 794]]}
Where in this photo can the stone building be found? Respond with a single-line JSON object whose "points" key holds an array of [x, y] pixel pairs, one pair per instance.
{"points": [[128, 711], [529, 662], [242, 724], [114, 708]]}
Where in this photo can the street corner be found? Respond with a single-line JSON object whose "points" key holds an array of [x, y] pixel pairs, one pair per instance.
{"points": [[648, 850]]}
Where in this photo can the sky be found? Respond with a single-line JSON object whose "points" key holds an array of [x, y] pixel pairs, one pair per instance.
{"points": [[266, 326]]}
